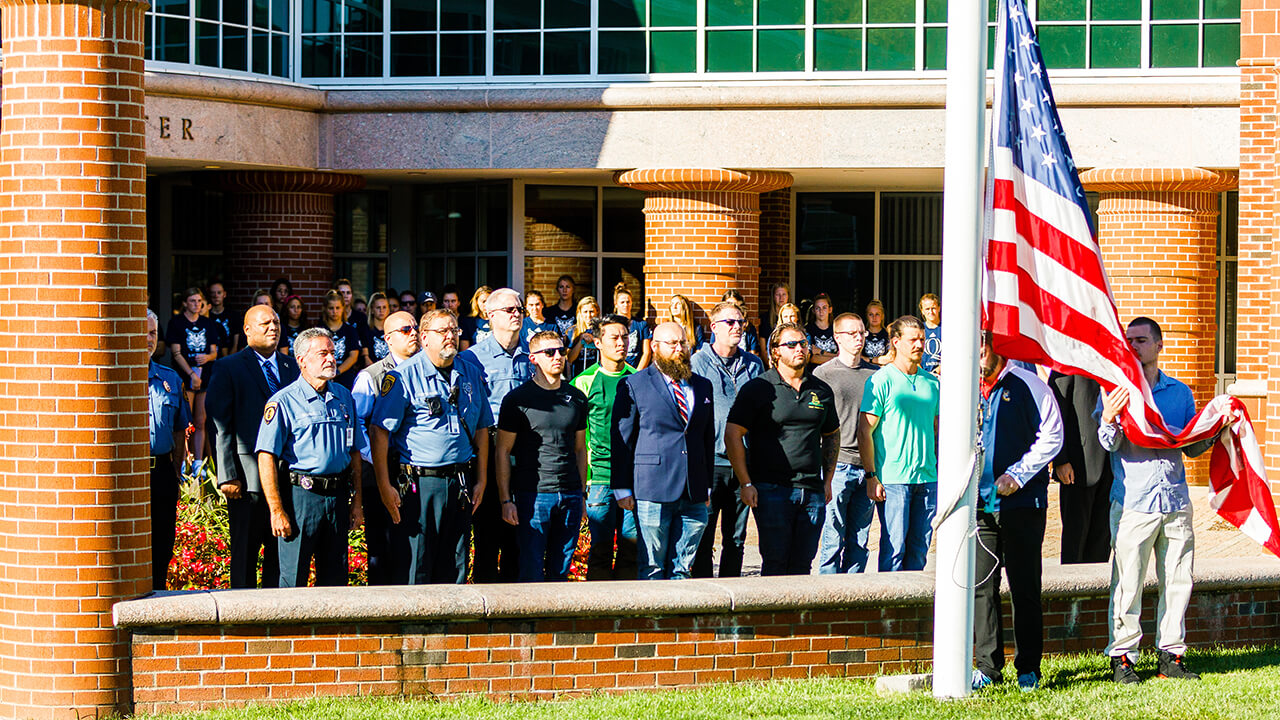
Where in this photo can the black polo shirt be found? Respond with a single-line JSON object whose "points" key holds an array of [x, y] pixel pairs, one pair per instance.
{"points": [[785, 428]]}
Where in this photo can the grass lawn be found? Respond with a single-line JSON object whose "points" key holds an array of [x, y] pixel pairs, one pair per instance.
{"points": [[1238, 684]]}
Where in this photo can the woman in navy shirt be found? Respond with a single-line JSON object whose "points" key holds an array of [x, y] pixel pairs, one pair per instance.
{"points": [[638, 334], [346, 341]]}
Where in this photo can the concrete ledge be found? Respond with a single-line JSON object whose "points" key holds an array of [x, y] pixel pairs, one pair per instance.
{"points": [[618, 599]]}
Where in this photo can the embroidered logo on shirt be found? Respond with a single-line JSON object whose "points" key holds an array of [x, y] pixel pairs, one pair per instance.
{"points": [[814, 402], [269, 413], [388, 382]]}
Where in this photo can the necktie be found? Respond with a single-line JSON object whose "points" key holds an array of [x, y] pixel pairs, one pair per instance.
{"points": [[273, 382], [679, 396]]}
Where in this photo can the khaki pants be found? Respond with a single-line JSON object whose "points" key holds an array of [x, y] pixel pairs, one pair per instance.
{"points": [[1133, 536]]}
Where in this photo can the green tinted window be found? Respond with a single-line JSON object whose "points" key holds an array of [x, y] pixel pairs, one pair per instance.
{"points": [[729, 51], [837, 12], [620, 53], [1175, 9], [891, 11], [622, 13], [1051, 10], [1174, 45], [781, 12], [837, 49], [672, 13], [1222, 9], [672, 52], [1116, 46], [935, 48], [1221, 45], [1117, 10], [781, 50], [935, 11], [1062, 45], [728, 12], [891, 48]]}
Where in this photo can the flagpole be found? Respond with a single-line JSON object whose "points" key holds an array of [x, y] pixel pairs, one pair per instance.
{"points": [[961, 256]]}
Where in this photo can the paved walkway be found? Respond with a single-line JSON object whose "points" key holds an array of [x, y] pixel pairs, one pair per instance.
{"points": [[1215, 538]]}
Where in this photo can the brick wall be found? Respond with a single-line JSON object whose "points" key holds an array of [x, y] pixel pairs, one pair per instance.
{"points": [[196, 667], [775, 245], [74, 532]]}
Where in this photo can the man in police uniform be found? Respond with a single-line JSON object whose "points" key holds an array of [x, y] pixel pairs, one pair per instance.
{"points": [[436, 415], [310, 425], [170, 417], [504, 365]]}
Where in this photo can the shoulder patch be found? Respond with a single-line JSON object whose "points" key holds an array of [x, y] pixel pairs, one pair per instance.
{"points": [[269, 412], [388, 382]]}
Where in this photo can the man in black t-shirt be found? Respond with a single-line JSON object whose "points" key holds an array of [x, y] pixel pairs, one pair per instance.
{"points": [[795, 442], [543, 426]]}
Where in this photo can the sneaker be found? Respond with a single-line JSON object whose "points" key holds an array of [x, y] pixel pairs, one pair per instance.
{"points": [[1123, 668], [1028, 682], [980, 680], [1171, 666]]}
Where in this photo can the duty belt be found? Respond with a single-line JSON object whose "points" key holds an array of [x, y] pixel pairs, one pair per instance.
{"points": [[409, 474], [321, 483]]}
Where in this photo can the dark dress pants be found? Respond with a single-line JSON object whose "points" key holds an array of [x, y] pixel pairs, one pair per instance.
{"points": [[321, 524], [727, 506], [164, 518], [1086, 520], [250, 523], [437, 523], [497, 549], [1015, 537]]}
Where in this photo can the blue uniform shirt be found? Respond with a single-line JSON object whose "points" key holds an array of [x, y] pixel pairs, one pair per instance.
{"points": [[529, 328], [426, 428], [315, 433], [501, 372], [169, 411]]}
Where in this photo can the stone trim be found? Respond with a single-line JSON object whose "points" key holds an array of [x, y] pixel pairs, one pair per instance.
{"points": [[1195, 180]]}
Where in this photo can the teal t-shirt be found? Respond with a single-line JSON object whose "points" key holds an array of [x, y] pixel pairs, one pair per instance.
{"points": [[905, 443]]}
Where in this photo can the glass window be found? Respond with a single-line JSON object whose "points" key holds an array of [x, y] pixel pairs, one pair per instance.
{"points": [[360, 221], [1221, 45], [622, 220], [1116, 46], [673, 52], [622, 13], [911, 223], [891, 11], [837, 49], [729, 12], [729, 51], [781, 12], [462, 236], [891, 48], [1063, 46], [829, 223], [850, 283], [1173, 46], [621, 53], [902, 282], [837, 12], [781, 51], [559, 218]]}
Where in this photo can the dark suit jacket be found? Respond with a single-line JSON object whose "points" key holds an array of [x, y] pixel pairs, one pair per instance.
{"points": [[654, 454], [1077, 398], [236, 396]]}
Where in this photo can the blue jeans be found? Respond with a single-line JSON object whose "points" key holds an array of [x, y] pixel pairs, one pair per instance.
{"points": [[848, 525], [548, 533], [906, 525], [669, 537], [789, 522], [607, 523]]}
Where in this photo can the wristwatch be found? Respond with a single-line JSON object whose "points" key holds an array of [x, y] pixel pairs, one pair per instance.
{"points": [[508, 500], [747, 485]]}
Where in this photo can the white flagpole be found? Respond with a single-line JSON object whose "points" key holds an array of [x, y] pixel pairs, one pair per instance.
{"points": [[961, 255]]}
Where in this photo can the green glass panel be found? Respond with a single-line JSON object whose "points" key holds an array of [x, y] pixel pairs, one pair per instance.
{"points": [[1062, 45], [1174, 46], [729, 51], [1117, 10], [991, 43], [891, 48], [1175, 9], [992, 10], [935, 48], [781, 12], [517, 14], [413, 55], [1221, 45], [673, 13], [837, 12], [566, 53], [517, 54], [935, 11], [780, 51], [620, 53], [673, 51], [567, 14], [1116, 46], [1060, 10], [622, 13], [728, 12], [280, 15], [891, 11], [837, 49], [1222, 9]]}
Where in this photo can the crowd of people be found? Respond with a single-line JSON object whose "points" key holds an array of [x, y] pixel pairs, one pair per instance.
{"points": [[474, 444]]}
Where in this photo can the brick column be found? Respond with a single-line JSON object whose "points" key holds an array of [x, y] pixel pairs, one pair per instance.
{"points": [[281, 225], [702, 233], [74, 526], [1158, 229]]}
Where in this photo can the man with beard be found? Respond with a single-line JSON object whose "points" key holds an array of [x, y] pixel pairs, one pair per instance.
{"points": [[1021, 433], [401, 333], [170, 417], [436, 416], [308, 431], [658, 411], [237, 394], [795, 441]]}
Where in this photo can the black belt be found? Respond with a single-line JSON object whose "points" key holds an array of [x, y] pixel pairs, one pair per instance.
{"points": [[321, 483], [442, 471], [155, 459]]}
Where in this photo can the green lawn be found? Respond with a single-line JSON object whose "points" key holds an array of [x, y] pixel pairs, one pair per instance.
{"points": [[1237, 684]]}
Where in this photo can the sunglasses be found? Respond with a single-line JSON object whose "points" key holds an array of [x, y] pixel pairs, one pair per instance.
{"points": [[732, 322], [406, 330], [446, 331], [513, 310], [552, 351], [793, 344]]}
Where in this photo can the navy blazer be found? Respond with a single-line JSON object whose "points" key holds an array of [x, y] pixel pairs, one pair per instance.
{"points": [[654, 454], [234, 402]]}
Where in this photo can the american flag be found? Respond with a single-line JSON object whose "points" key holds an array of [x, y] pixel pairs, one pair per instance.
{"points": [[1046, 298]]}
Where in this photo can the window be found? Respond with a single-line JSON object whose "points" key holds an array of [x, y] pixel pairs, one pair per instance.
{"points": [[462, 237], [198, 235], [1228, 291], [360, 240], [238, 35]]}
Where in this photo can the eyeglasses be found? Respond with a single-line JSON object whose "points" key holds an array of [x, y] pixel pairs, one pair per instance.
{"points": [[446, 331], [672, 343], [732, 322], [850, 332], [513, 310], [552, 351], [793, 344], [406, 330]]}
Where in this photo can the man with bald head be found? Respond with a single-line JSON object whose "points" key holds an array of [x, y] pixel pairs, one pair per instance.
{"points": [[663, 448], [237, 394]]}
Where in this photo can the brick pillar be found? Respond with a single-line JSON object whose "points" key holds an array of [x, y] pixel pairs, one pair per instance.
{"points": [[281, 225], [775, 245], [1158, 229], [702, 233], [74, 526]]}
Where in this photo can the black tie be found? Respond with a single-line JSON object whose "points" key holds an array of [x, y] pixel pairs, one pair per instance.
{"points": [[273, 382]]}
